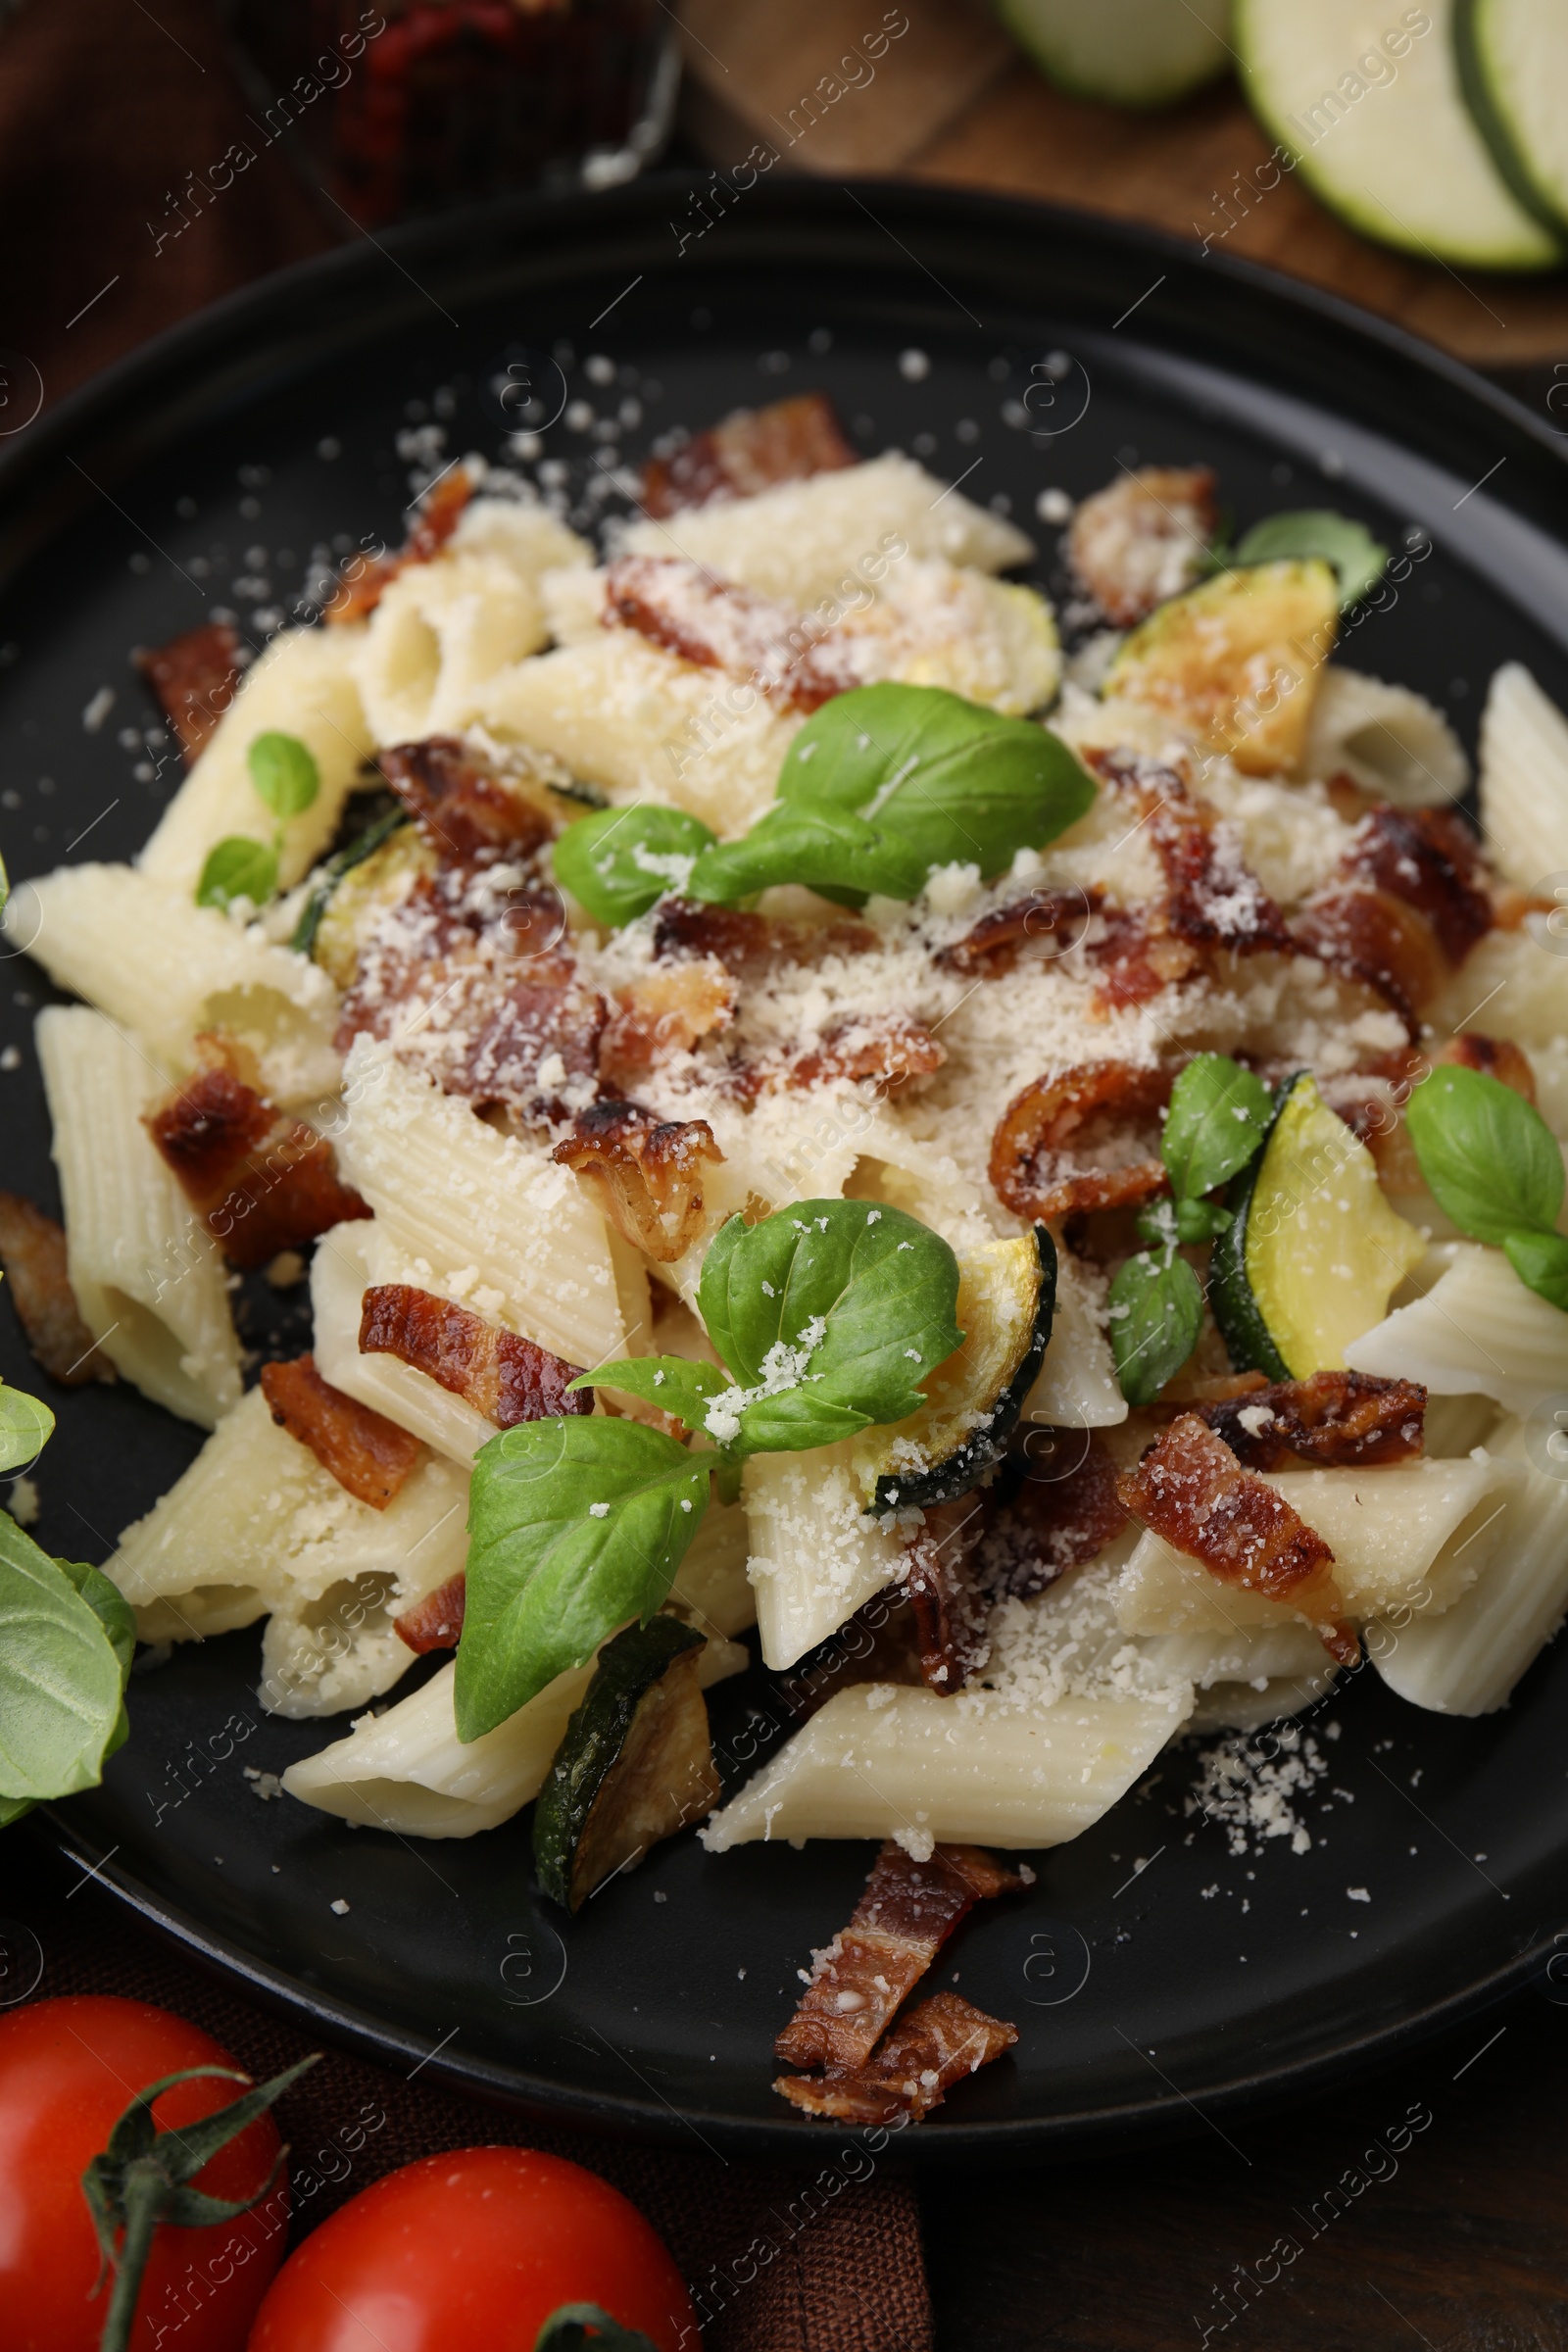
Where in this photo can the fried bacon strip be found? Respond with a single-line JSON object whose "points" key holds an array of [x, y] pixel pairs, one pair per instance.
{"points": [[650, 1169], [942, 2040], [753, 450], [502, 1376], [194, 676], [32, 1251], [259, 1180], [1494, 1057], [795, 660], [891, 1048], [1060, 1146], [463, 808], [1141, 539], [1404, 907], [1045, 924], [364, 1450], [1190, 1489], [1335, 1420], [663, 1012], [947, 1607], [437, 1622], [749, 946], [364, 580], [902, 1921], [1055, 1508], [1211, 900]]}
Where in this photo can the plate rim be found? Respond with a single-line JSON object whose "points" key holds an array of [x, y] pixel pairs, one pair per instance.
{"points": [[246, 317]]}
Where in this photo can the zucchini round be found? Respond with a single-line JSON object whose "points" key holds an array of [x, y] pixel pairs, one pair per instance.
{"points": [[635, 1765], [1141, 52], [1512, 57], [1007, 1300], [1314, 1252]]}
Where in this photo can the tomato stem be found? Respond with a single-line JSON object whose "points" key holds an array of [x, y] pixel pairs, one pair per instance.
{"points": [[144, 2194]]}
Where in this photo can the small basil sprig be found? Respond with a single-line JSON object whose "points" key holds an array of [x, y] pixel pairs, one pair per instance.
{"points": [[1218, 1116], [25, 1426], [1494, 1165], [66, 1642], [621, 862], [1348, 546], [285, 778], [828, 1315]]}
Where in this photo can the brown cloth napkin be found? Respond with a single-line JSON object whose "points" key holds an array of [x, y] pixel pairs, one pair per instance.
{"points": [[783, 2260], [106, 107]]}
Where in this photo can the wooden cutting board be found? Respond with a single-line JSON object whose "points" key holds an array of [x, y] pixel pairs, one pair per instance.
{"points": [[835, 89]]}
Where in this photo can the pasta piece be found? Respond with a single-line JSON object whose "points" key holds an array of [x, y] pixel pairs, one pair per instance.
{"points": [[1249, 1654], [145, 953], [1393, 743], [1524, 779], [712, 1588], [1467, 1660], [629, 718], [1515, 984], [885, 1760], [1077, 1387], [346, 1263], [1419, 1533], [439, 633], [816, 1555], [484, 1218], [147, 1277], [303, 685], [1247, 1706], [406, 1770], [824, 538], [1477, 1331], [521, 534]]}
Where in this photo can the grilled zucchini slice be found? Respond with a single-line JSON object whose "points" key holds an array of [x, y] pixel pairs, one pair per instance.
{"points": [[635, 1766], [1235, 660], [1313, 1252], [369, 876], [1006, 1298]]}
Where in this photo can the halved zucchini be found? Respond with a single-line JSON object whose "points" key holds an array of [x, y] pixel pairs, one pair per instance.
{"points": [[371, 876], [1006, 1298], [1235, 660], [635, 1766], [1313, 1252]]}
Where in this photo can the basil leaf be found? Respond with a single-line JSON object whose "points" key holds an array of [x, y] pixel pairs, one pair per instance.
{"points": [[283, 774], [1490, 1158], [673, 1382], [621, 862], [954, 780], [575, 1525], [60, 1678], [829, 1314], [1218, 1115], [826, 849], [1156, 1312], [1541, 1261], [25, 1424], [1351, 548], [118, 1618], [238, 868]]}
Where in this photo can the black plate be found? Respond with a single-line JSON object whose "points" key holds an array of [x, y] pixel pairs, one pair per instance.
{"points": [[1057, 347]]}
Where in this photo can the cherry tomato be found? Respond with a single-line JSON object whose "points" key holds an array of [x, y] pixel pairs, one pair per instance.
{"points": [[68, 2069], [468, 2250]]}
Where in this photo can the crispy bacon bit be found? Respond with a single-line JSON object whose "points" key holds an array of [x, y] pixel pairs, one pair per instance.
{"points": [[949, 1611], [749, 946], [1212, 899], [437, 1622], [364, 580], [651, 1170], [938, 2044], [1370, 936], [1055, 1508], [793, 658], [891, 1048], [194, 677], [259, 1180], [505, 1377], [365, 1451], [463, 808], [902, 1921], [1190, 1489], [663, 1014], [32, 1251], [1494, 1057], [1045, 924], [1428, 858], [753, 450], [1141, 540], [1061, 1146], [1335, 1420]]}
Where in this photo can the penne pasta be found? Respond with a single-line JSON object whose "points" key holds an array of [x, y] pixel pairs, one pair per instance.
{"points": [[1393, 743], [1524, 779], [815, 1556], [347, 1261], [439, 634], [1514, 985], [1477, 1330]]}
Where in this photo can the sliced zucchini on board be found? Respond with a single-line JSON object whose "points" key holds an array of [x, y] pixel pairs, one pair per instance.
{"points": [[1235, 662], [1376, 121], [1513, 70], [1006, 1300], [635, 1766], [1127, 52], [1313, 1252]]}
